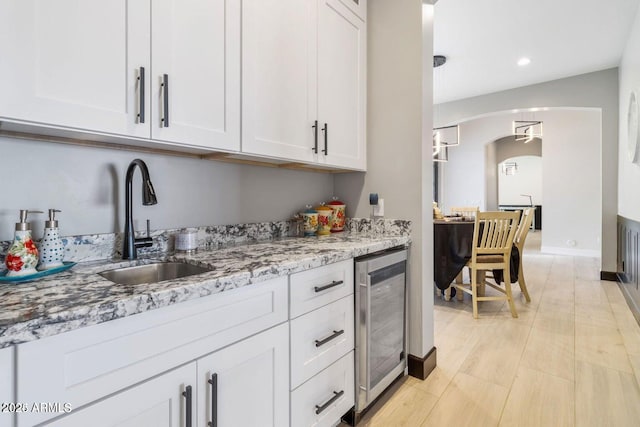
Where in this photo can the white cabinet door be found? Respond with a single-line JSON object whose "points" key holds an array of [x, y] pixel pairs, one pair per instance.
{"points": [[341, 85], [359, 7], [156, 403], [278, 78], [247, 384], [7, 394], [196, 44], [74, 63]]}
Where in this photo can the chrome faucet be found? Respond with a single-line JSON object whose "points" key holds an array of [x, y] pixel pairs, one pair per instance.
{"points": [[131, 243]]}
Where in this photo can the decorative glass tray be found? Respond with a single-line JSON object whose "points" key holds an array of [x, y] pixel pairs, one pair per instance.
{"points": [[20, 279]]}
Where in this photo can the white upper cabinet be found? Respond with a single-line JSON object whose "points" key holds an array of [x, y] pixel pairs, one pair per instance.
{"points": [[304, 82], [74, 64], [196, 44], [341, 85], [80, 65], [359, 7], [278, 78]]}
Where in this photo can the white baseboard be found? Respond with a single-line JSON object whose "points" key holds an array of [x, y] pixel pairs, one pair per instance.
{"points": [[592, 253]]}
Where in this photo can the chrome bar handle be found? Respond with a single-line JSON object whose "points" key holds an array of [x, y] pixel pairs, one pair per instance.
{"points": [[335, 334], [330, 285], [325, 129], [141, 98], [336, 396], [315, 136], [189, 406], [165, 100], [214, 400]]}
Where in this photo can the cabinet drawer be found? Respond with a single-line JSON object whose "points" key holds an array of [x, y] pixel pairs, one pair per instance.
{"points": [[320, 338], [312, 289], [311, 403], [84, 365]]}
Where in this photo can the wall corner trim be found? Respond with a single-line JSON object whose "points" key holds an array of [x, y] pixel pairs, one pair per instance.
{"points": [[421, 367], [609, 276]]}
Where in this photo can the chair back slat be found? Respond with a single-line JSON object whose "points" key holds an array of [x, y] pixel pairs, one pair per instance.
{"points": [[494, 232], [523, 227], [468, 211]]}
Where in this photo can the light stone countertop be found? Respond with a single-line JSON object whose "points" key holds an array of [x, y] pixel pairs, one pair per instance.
{"points": [[80, 297]]}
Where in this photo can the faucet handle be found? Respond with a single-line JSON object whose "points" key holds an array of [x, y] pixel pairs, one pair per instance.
{"points": [[148, 228]]}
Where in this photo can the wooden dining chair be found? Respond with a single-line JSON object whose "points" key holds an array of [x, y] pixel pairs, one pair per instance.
{"points": [[521, 234], [468, 211], [493, 236]]}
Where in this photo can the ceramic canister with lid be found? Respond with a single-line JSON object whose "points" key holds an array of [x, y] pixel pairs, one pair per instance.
{"points": [[325, 217], [338, 217], [310, 220]]}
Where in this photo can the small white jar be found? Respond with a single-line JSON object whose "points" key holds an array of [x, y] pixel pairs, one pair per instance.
{"points": [[187, 241]]}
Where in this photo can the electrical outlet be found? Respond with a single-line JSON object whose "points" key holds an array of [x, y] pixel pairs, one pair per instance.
{"points": [[378, 210]]}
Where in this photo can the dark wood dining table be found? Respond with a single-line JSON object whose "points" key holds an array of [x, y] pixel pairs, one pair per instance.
{"points": [[451, 249]]}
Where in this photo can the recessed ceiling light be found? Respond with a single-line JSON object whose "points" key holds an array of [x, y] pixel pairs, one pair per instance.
{"points": [[524, 61]]}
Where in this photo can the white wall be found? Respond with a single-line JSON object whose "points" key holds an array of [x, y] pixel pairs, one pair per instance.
{"points": [[571, 211], [87, 184], [592, 90], [399, 163], [527, 180], [629, 173], [571, 184]]}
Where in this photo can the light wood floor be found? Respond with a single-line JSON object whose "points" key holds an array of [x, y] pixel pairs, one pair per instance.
{"points": [[572, 358]]}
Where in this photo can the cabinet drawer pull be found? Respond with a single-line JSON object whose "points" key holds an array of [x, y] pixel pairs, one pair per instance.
{"points": [[329, 338], [141, 95], [330, 285], [315, 136], [189, 414], [336, 396], [214, 400], [165, 100], [325, 129]]}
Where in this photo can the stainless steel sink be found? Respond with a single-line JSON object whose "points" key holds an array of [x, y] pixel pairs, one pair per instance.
{"points": [[152, 273]]}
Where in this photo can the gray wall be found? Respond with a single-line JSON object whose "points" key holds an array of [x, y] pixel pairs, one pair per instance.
{"points": [[399, 164], [629, 172], [87, 184], [592, 90]]}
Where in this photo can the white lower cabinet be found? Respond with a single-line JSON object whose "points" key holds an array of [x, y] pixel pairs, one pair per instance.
{"points": [[244, 385], [323, 399], [160, 402], [7, 395], [81, 367], [247, 384], [229, 360], [322, 344]]}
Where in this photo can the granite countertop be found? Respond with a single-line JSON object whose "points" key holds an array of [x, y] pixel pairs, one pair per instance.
{"points": [[80, 297]]}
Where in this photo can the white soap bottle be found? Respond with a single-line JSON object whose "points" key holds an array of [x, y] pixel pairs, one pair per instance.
{"points": [[51, 248]]}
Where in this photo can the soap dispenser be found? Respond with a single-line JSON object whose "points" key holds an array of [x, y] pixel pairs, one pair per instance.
{"points": [[51, 248], [22, 256]]}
